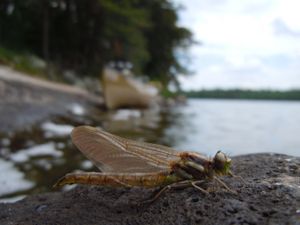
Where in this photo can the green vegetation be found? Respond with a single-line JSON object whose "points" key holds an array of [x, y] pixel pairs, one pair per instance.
{"points": [[245, 94], [21, 61], [85, 36], [166, 93]]}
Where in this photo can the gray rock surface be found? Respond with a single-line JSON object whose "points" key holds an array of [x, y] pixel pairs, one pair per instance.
{"points": [[271, 195], [30, 100]]}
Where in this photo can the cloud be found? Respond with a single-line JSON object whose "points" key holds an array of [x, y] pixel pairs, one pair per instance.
{"points": [[247, 44], [281, 28]]}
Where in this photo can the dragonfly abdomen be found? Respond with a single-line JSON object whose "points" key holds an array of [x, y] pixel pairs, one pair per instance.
{"points": [[118, 179]]}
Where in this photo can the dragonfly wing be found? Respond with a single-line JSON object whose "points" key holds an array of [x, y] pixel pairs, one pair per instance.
{"points": [[111, 153]]}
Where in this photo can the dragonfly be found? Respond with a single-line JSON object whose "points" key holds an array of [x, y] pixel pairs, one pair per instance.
{"points": [[127, 163]]}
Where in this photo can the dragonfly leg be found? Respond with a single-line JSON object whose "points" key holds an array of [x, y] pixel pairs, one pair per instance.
{"points": [[238, 177], [224, 185], [156, 196], [194, 184], [181, 184]]}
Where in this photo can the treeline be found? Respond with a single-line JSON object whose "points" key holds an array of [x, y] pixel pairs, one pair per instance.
{"points": [[86, 35], [245, 94]]}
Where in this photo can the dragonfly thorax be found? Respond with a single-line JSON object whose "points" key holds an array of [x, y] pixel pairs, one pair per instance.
{"points": [[194, 166]]}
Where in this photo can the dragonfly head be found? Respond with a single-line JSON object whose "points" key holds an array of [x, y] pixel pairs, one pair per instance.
{"points": [[221, 163]]}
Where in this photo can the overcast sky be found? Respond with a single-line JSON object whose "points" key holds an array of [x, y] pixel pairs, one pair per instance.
{"points": [[246, 43]]}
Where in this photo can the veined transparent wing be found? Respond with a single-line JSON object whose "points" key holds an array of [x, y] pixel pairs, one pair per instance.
{"points": [[111, 153]]}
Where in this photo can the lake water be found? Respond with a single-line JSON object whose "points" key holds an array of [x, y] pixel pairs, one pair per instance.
{"points": [[32, 160], [239, 126]]}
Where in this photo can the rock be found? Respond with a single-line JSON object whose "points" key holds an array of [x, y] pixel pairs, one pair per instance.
{"points": [[271, 195], [29, 100], [122, 90]]}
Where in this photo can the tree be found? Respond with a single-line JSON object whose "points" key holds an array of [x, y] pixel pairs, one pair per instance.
{"points": [[164, 38], [86, 35]]}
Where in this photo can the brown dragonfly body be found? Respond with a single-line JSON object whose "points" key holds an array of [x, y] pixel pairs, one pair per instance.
{"points": [[130, 163]]}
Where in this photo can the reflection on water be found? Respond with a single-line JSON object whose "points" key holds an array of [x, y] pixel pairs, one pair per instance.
{"points": [[11, 179], [24, 155], [32, 160], [53, 129]]}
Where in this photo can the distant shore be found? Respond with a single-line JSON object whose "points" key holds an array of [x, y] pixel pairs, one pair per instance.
{"points": [[245, 94]]}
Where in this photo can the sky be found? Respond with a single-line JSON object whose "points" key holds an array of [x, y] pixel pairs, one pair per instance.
{"points": [[249, 44]]}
